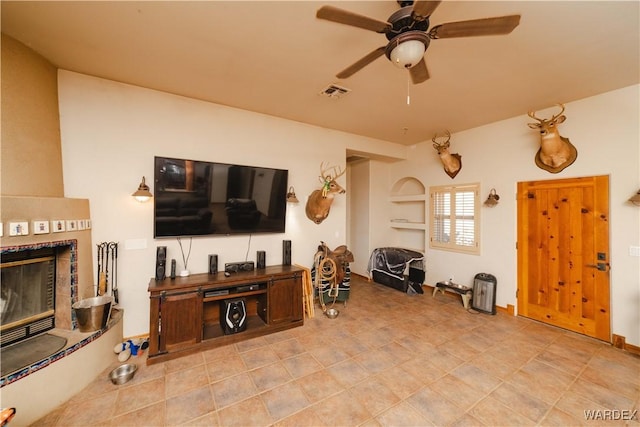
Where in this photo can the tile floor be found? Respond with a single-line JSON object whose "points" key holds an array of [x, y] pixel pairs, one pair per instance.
{"points": [[389, 359]]}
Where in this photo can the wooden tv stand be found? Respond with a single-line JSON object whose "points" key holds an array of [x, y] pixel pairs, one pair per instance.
{"points": [[184, 315]]}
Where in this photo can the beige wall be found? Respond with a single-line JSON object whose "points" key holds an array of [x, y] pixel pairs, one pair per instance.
{"points": [[31, 161], [31, 209], [32, 185]]}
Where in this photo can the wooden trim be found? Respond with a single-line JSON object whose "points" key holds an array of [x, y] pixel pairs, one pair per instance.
{"points": [[136, 337], [618, 341], [632, 349], [506, 310]]}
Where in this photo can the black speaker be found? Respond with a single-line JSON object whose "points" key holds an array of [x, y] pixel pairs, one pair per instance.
{"points": [[173, 268], [261, 259], [286, 252], [161, 263], [233, 315], [213, 264]]}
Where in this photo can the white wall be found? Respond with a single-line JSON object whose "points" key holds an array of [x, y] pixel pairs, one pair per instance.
{"points": [[605, 130], [358, 214], [110, 133]]}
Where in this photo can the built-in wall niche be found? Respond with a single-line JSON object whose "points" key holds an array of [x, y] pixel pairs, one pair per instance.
{"points": [[408, 213]]}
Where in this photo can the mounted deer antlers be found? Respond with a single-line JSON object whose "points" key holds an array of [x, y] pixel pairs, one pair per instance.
{"points": [[319, 201], [452, 162], [556, 152]]}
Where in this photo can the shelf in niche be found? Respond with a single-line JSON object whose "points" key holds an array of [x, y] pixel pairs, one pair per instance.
{"points": [[407, 198], [408, 225]]}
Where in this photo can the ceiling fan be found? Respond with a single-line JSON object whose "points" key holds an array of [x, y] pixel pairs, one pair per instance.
{"points": [[409, 35]]}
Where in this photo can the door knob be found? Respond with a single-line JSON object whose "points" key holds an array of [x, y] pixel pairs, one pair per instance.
{"points": [[600, 266]]}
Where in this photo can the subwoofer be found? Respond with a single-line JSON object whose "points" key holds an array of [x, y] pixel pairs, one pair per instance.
{"points": [[261, 259], [233, 315], [286, 252], [161, 263]]}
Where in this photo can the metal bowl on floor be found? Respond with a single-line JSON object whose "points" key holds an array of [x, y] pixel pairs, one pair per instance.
{"points": [[332, 313], [123, 373]]}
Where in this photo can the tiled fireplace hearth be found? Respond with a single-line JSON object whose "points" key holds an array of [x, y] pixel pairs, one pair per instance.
{"points": [[64, 319], [38, 388]]}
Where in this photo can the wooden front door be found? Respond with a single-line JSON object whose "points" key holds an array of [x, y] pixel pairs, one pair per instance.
{"points": [[563, 254]]}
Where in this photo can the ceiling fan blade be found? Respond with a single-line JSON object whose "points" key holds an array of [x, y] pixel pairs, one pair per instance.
{"points": [[342, 16], [360, 64], [424, 8], [419, 72], [476, 27]]}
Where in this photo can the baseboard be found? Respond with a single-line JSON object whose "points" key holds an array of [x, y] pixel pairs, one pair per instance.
{"points": [[361, 276], [618, 341], [136, 337], [632, 349]]}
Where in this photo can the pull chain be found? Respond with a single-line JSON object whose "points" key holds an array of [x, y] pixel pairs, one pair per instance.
{"points": [[408, 89]]}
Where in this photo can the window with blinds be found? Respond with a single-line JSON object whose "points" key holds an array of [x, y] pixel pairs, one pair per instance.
{"points": [[454, 218]]}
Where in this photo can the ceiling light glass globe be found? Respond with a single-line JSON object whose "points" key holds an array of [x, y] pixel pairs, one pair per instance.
{"points": [[408, 53]]}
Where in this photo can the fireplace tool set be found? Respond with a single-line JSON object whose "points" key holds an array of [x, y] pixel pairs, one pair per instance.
{"points": [[107, 269]]}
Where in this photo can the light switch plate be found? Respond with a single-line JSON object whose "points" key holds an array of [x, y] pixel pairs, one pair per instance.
{"points": [[131, 244], [634, 250], [19, 228]]}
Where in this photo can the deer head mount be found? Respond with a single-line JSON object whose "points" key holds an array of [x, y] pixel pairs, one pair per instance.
{"points": [[452, 162], [319, 201], [556, 152]]}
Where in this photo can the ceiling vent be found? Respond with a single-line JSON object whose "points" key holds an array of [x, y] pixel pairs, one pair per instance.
{"points": [[335, 91]]}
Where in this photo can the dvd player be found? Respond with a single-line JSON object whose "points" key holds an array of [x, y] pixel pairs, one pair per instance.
{"points": [[235, 290], [216, 293]]}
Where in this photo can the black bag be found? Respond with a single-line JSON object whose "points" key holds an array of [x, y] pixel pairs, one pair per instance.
{"points": [[415, 280]]}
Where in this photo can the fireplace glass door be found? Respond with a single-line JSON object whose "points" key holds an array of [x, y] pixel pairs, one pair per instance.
{"points": [[27, 294]]}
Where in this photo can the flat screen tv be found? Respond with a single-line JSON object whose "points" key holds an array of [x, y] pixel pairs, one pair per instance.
{"points": [[199, 198]]}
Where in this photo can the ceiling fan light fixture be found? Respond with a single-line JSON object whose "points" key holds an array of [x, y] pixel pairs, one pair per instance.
{"points": [[407, 54], [406, 50]]}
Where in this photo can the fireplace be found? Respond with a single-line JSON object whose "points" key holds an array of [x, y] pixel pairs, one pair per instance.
{"points": [[38, 286], [27, 296]]}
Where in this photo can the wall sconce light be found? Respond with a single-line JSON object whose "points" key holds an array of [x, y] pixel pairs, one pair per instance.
{"points": [[635, 199], [291, 196], [143, 194], [493, 198]]}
